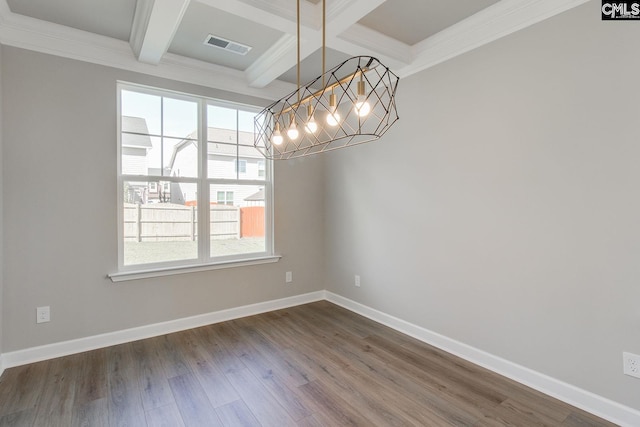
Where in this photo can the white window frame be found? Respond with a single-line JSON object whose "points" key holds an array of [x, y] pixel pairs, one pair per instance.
{"points": [[204, 261]]}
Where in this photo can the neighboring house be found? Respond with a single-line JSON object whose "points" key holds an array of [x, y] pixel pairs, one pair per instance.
{"points": [[256, 199], [225, 160], [135, 145]]}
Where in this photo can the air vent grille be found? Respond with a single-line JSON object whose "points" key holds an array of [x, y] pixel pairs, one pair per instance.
{"points": [[227, 45]]}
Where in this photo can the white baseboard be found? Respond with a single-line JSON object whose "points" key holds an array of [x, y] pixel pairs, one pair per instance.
{"points": [[50, 351], [590, 402]]}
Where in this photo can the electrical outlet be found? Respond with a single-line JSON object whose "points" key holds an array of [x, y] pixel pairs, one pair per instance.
{"points": [[631, 364], [288, 277], [43, 314], [357, 281]]}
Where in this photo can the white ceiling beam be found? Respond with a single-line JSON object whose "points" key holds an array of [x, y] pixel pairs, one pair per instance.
{"points": [[492, 23], [4, 10], [361, 40], [342, 14], [155, 23]]}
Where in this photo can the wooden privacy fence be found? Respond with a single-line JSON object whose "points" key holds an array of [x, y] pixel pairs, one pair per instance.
{"points": [[252, 221], [170, 222]]}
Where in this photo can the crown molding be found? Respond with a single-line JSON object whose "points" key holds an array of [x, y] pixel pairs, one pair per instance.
{"points": [[46, 37], [496, 21]]}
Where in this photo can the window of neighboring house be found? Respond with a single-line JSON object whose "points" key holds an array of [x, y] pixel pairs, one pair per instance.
{"points": [[241, 166], [225, 198], [261, 168], [180, 204]]}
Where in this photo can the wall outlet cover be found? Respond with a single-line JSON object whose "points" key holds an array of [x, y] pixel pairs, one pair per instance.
{"points": [[631, 364], [43, 314]]}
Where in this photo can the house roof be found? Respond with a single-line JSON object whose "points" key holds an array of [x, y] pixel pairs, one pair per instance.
{"points": [[139, 136], [256, 197]]}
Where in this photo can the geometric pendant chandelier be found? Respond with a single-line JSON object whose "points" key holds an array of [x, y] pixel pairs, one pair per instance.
{"points": [[352, 103]]}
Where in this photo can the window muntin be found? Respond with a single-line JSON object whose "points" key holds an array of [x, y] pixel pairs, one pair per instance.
{"points": [[161, 219]]}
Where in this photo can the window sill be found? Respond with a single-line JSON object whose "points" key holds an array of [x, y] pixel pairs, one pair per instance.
{"points": [[159, 272]]}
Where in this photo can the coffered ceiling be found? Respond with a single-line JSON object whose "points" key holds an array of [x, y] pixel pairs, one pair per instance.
{"points": [[167, 37]]}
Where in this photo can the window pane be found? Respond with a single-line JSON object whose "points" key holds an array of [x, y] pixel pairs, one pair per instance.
{"points": [[252, 160], [238, 224], [221, 160], [180, 118], [223, 124], [180, 157], [245, 127], [160, 222], [141, 106], [245, 122], [140, 154]]}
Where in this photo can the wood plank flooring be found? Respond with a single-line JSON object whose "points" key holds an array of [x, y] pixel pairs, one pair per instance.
{"points": [[311, 365]]}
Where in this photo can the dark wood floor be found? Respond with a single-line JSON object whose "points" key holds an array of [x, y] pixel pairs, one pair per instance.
{"points": [[312, 365]]}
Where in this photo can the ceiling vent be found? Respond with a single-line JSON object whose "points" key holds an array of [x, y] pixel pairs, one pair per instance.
{"points": [[227, 45]]}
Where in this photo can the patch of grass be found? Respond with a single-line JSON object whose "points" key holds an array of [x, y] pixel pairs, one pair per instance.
{"points": [[151, 252]]}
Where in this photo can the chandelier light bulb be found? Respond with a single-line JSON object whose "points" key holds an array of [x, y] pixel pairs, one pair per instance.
{"points": [[333, 118], [362, 106], [276, 138], [311, 126], [292, 132]]}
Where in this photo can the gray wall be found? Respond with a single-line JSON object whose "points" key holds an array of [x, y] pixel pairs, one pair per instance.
{"points": [[503, 210], [1, 214], [60, 151]]}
